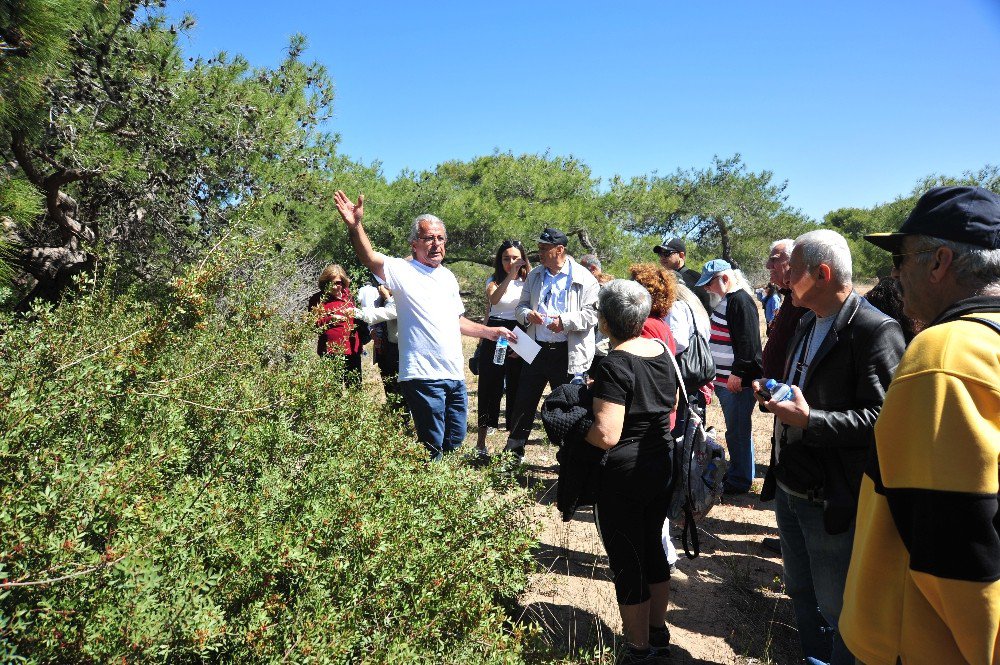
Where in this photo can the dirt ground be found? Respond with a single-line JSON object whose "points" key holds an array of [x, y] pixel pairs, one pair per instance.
{"points": [[727, 605]]}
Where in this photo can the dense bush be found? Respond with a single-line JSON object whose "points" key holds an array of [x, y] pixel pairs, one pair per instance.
{"points": [[184, 480]]}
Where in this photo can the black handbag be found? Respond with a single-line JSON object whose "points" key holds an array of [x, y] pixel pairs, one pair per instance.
{"points": [[696, 363]]}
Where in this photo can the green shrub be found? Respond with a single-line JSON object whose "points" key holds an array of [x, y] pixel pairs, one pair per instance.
{"points": [[185, 481]]}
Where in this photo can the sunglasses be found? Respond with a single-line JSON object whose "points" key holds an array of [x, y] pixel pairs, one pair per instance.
{"points": [[897, 259]]}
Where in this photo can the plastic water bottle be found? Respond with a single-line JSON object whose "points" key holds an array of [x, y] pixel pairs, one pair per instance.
{"points": [[779, 391], [578, 379], [501, 353]]}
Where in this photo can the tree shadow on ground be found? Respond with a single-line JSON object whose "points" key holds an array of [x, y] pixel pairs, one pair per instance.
{"points": [[565, 561], [758, 622]]}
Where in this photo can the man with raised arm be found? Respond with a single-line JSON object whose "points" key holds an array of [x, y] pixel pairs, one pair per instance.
{"points": [[431, 325]]}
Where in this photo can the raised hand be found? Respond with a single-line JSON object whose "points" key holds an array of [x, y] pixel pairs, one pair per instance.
{"points": [[515, 267], [350, 212]]}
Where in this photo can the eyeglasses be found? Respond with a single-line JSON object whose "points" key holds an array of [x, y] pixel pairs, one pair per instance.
{"points": [[897, 259], [432, 239]]}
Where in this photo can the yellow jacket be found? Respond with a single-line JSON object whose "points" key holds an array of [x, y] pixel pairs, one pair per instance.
{"points": [[924, 581]]}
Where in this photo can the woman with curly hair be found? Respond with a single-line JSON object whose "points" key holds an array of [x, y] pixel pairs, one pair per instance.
{"points": [[662, 286]]}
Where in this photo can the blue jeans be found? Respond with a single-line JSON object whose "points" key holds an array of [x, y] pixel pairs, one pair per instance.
{"points": [[439, 409], [815, 564], [737, 408]]}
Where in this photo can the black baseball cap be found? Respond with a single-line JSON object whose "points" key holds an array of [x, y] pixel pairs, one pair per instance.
{"points": [[968, 215], [552, 236], [670, 245]]}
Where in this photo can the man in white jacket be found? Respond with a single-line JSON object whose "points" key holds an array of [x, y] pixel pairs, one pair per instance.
{"points": [[558, 308]]}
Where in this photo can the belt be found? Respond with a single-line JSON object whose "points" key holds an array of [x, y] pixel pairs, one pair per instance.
{"points": [[553, 345]]}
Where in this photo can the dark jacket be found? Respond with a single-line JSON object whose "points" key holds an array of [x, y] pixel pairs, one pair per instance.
{"points": [[778, 335], [567, 415], [844, 385]]}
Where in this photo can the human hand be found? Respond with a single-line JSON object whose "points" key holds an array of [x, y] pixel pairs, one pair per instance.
{"points": [[384, 291], [503, 332], [515, 267], [350, 212], [793, 412], [734, 383], [535, 317], [556, 326]]}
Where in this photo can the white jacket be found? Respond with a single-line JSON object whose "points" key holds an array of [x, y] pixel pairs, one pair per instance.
{"points": [[580, 317]]}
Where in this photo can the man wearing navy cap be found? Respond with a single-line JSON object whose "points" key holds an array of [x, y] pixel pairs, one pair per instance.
{"points": [[672, 256], [558, 308], [924, 579]]}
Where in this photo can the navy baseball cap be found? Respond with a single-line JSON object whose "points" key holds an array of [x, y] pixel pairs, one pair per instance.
{"points": [[968, 215], [711, 269], [670, 245], [553, 237]]}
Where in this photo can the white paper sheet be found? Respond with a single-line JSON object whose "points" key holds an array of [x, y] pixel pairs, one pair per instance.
{"points": [[525, 347]]}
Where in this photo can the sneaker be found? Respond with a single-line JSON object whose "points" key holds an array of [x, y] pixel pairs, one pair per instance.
{"points": [[482, 455], [516, 446], [651, 656], [772, 545], [659, 638]]}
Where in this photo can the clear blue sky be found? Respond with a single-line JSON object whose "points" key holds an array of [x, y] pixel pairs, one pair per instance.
{"points": [[851, 101]]}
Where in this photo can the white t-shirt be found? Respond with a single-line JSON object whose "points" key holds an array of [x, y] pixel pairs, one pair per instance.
{"points": [[508, 301], [428, 305], [367, 295]]}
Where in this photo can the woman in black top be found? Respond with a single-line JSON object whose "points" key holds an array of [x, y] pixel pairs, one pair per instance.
{"points": [[634, 392]]}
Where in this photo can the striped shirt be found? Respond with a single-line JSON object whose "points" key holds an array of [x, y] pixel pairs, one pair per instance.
{"points": [[721, 344]]}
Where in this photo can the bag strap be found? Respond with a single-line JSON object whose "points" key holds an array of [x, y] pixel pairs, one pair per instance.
{"points": [[985, 322], [690, 529], [677, 371]]}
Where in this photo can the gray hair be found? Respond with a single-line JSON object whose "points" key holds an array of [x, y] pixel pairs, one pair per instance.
{"points": [[588, 260], [975, 267], [425, 218], [829, 247], [788, 244], [625, 306]]}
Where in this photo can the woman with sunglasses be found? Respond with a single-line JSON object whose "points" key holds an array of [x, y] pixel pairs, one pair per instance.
{"points": [[503, 291], [333, 308]]}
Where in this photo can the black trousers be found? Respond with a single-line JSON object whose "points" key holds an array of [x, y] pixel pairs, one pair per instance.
{"points": [[550, 366], [632, 502], [388, 366], [493, 378]]}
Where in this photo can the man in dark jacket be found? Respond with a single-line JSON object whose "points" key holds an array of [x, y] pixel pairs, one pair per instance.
{"points": [[839, 364], [782, 327], [672, 253]]}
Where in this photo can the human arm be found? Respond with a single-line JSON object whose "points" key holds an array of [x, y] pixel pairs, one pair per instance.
{"points": [[494, 291], [375, 315], [681, 322], [523, 312], [352, 214], [609, 420], [586, 317], [473, 329], [744, 331], [876, 357]]}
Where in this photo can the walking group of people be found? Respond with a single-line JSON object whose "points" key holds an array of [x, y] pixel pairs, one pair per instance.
{"points": [[885, 452]]}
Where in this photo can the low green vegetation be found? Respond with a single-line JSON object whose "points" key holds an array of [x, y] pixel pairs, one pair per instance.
{"points": [[185, 480]]}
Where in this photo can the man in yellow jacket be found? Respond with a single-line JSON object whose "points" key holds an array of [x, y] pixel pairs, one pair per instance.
{"points": [[924, 579]]}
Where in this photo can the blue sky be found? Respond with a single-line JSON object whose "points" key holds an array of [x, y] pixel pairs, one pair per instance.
{"points": [[852, 102]]}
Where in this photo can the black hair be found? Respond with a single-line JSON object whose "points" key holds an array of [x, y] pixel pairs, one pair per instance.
{"points": [[499, 274]]}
